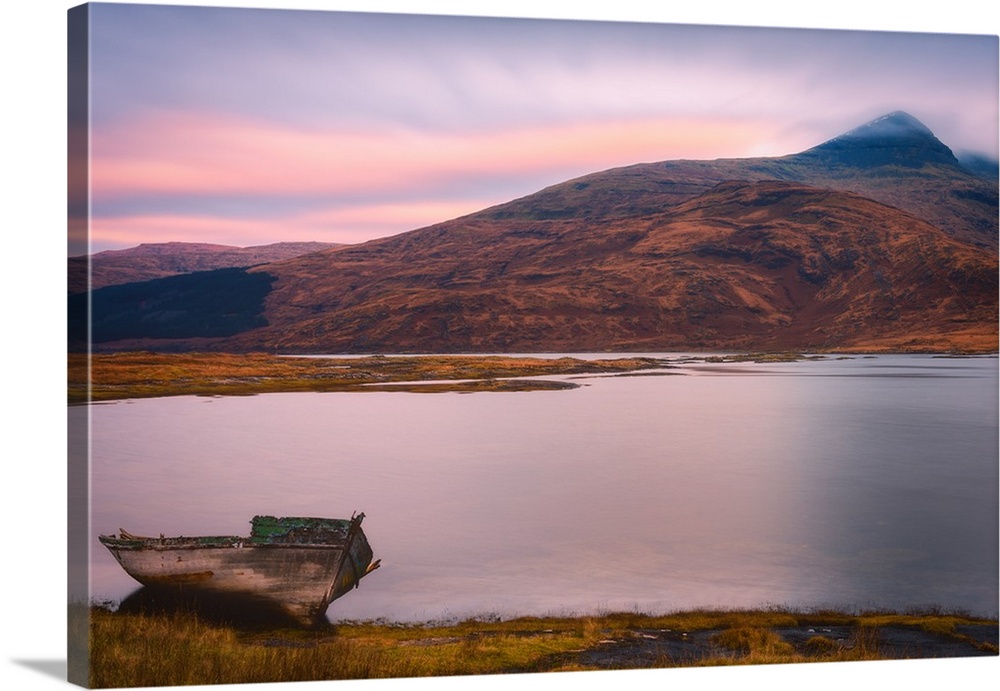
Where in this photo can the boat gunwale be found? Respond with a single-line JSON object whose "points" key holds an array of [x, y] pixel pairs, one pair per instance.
{"points": [[339, 531], [188, 543]]}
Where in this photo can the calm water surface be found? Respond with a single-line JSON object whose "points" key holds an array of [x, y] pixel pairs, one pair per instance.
{"points": [[865, 482]]}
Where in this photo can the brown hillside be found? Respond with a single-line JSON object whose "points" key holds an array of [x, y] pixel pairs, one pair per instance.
{"points": [[771, 265], [894, 159], [956, 201]]}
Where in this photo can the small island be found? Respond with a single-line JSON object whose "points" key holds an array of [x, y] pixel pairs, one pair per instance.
{"points": [[117, 376]]}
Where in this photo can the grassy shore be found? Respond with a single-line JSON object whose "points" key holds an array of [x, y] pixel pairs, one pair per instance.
{"points": [[181, 647], [142, 374], [116, 376]]}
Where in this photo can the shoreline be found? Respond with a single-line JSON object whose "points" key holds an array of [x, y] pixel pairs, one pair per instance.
{"points": [[143, 374], [218, 649], [105, 377]]}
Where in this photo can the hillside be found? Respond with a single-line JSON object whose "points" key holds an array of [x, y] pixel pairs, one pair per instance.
{"points": [[895, 160], [766, 265], [875, 240]]}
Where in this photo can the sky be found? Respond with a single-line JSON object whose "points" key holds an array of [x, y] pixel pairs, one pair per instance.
{"points": [[245, 126]]}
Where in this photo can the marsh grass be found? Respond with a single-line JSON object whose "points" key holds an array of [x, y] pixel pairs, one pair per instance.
{"points": [[180, 648], [761, 646], [108, 377], [755, 643], [820, 645], [136, 649]]}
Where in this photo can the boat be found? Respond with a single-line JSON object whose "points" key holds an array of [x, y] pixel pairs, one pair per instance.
{"points": [[300, 565]]}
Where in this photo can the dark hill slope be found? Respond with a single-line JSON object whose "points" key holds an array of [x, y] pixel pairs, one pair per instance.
{"points": [[772, 265], [196, 305], [160, 259]]}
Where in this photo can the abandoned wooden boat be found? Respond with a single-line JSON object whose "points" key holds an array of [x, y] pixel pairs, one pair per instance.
{"points": [[298, 564]]}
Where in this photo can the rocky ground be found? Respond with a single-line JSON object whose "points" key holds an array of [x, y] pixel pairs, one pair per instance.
{"points": [[663, 647]]}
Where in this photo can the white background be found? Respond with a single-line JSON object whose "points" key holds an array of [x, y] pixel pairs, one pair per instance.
{"points": [[32, 166]]}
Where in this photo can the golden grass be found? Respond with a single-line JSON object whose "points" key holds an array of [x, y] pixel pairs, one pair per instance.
{"points": [[756, 644], [147, 650], [144, 374], [180, 648]]}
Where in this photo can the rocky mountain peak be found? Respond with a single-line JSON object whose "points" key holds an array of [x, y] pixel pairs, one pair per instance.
{"points": [[896, 138]]}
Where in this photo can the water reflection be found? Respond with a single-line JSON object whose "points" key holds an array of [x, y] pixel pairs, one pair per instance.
{"points": [[229, 609], [809, 484]]}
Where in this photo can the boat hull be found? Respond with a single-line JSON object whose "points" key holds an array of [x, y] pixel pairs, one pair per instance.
{"points": [[300, 576]]}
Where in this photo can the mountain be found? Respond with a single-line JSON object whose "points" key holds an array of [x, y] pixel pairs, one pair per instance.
{"points": [[894, 159], [896, 139], [875, 240], [156, 260], [983, 166]]}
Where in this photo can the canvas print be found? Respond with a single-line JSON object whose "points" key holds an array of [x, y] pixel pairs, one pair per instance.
{"points": [[416, 346]]}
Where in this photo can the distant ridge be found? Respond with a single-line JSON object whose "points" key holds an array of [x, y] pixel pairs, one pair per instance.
{"points": [[157, 260], [983, 166]]}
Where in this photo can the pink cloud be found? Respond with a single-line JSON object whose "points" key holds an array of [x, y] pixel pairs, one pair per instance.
{"points": [[405, 178], [131, 230], [364, 222], [205, 155], [350, 224]]}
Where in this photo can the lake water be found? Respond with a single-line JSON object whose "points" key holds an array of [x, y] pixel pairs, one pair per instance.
{"points": [[857, 483]]}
